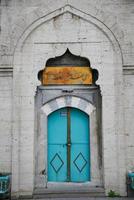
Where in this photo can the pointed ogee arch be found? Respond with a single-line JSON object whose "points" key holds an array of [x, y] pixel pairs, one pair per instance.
{"points": [[70, 9]]}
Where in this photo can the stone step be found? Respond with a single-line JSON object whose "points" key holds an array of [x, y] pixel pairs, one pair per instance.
{"points": [[80, 198], [83, 198], [72, 193]]}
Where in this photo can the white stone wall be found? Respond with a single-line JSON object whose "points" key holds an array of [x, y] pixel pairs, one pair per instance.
{"points": [[129, 119], [118, 15], [99, 30], [83, 38], [5, 121]]}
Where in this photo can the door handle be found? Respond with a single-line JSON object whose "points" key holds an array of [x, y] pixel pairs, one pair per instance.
{"points": [[68, 144]]}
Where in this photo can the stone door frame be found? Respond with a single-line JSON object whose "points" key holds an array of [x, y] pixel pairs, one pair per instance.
{"points": [[48, 108]]}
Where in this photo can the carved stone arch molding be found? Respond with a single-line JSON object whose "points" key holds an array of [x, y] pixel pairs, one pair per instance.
{"points": [[40, 15], [48, 108], [68, 101], [25, 83], [25, 34]]}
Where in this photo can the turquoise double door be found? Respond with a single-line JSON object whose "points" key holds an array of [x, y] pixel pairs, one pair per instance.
{"points": [[68, 146]]}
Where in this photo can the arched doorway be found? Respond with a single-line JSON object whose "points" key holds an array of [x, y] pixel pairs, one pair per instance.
{"points": [[69, 103], [68, 146]]}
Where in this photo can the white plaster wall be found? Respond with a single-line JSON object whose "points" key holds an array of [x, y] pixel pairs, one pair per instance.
{"points": [[45, 41], [129, 119], [5, 123], [16, 16], [118, 15]]}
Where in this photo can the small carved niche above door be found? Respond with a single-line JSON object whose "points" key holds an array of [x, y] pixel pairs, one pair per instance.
{"points": [[68, 69]]}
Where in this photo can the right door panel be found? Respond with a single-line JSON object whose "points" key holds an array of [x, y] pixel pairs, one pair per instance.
{"points": [[80, 155]]}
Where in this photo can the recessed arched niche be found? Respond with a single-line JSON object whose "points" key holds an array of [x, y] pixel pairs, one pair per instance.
{"points": [[68, 82], [68, 69]]}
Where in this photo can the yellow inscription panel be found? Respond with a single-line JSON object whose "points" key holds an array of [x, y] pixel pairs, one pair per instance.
{"points": [[66, 75]]}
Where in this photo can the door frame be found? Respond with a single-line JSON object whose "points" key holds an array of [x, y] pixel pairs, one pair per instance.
{"points": [[46, 109]]}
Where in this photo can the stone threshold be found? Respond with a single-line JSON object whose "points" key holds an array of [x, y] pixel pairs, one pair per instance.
{"points": [[41, 193]]}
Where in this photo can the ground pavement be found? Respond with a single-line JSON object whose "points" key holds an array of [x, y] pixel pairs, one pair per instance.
{"points": [[88, 198]]}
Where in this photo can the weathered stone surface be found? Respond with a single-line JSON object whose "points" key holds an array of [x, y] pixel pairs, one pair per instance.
{"points": [[34, 31]]}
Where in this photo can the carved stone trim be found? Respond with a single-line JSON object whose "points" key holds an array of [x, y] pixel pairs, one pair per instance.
{"points": [[128, 69], [6, 71]]}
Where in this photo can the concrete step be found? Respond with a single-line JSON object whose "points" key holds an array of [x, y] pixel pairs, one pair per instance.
{"points": [[81, 198], [68, 193]]}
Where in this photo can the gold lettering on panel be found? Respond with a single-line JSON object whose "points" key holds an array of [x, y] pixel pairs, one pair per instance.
{"points": [[63, 75]]}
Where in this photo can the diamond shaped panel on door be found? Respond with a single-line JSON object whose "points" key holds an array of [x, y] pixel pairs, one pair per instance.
{"points": [[80, 162], [56, 163]]}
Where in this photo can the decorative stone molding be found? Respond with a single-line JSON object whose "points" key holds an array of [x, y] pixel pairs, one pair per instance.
{"points": [[128, 69], [6, 71], [68, 101], [25, 31]]}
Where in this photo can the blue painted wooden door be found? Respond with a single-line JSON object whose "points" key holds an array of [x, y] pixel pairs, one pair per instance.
{"points": [[68, 146]]}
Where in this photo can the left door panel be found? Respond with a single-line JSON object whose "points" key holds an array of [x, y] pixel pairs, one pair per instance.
{"points": [[57, 148]]}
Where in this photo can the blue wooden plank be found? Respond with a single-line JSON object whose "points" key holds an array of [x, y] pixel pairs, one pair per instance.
{"points": [[57, 127], [80, 155], [57, 149], [79, 126]]}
